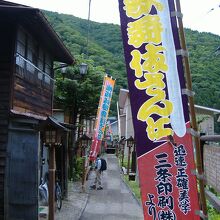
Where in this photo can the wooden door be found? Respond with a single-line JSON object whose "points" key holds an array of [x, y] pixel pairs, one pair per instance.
{"points": [[23, 175]]}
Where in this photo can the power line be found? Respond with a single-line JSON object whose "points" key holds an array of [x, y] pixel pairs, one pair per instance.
{"points": [[212, 9]]}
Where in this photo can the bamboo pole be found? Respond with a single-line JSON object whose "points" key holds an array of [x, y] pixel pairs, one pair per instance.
{"points": [[192, 112]]}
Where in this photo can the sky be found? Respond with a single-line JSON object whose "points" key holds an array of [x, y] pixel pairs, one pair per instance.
{"points": [[201, 15]]}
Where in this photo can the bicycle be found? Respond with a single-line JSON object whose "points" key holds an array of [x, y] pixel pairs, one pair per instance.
{"points": [[58, 196], [44, 193]]}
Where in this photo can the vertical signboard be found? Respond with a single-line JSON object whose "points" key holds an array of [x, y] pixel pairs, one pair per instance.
{"points": [[102, 115], [159, 109]]}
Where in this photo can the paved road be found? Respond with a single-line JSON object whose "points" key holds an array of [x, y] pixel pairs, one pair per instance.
{"points": [[115, 201], [73, 205]]}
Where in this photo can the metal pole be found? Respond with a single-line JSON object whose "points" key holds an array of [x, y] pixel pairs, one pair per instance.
{"points": [[192, 112], [51, 182], [88, 29], [214, 138], [119, 124]]}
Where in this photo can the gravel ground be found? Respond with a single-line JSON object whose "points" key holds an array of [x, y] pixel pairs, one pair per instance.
{"points": [[74, 205]]}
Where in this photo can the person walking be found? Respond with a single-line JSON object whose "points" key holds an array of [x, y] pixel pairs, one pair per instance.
{"points": [[115, 201], [98, 171]]}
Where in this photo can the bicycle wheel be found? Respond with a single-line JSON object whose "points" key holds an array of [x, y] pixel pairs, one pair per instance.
{"points": [[58, 198]]}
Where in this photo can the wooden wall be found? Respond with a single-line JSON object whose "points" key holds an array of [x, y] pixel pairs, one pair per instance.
{"points": [[24, 93], [31, 96], [6, 43]]}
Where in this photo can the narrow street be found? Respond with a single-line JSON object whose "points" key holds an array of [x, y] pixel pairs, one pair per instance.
{"points": [[115, 201], [83, 78]]}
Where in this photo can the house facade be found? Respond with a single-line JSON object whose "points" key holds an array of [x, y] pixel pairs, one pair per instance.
{"points": [[29, 46], [204, 115]]}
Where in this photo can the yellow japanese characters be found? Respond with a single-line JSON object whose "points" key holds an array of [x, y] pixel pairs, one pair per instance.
{"points": [[150, 67], [136, 8], [145, 29]]}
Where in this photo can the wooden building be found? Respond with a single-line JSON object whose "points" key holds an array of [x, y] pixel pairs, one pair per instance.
{"points": [[28, 48]]}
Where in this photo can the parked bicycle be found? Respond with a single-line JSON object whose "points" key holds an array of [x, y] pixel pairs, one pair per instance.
{"points": [[58, 195], [44, 193]]}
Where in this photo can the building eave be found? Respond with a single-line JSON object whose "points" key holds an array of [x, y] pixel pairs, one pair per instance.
{"points": [[123, 93], [36, 22]]}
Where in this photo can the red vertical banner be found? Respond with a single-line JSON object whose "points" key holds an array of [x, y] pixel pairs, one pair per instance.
{"points": [[159, 109], [102, 115]]}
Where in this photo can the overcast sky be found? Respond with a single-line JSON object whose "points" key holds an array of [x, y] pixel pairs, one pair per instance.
{"points": [[201, 15]]}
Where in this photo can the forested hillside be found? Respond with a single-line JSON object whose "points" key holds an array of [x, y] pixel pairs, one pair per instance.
{"points": [[105, 48]]}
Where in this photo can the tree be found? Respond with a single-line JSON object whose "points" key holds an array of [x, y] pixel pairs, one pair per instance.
{"points": [[79, 97]]}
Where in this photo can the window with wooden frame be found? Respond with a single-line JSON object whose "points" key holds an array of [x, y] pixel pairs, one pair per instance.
{"points": [[20, 52], [48, 68], [32, 61], [32, 54]]}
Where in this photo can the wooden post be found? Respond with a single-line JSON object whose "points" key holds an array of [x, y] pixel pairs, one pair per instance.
{"points": [[51, 182], [84, 169], [192, 112], [116, 149], [66, 165], [129, 154], [133, 160], [122, 156]]}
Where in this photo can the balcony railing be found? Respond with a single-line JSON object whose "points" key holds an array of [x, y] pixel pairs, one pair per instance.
{"points": [[27, 70]]}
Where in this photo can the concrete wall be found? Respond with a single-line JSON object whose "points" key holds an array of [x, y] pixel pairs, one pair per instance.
{"points": [[129, 123], [207, 126], [123, 124], [114, 127]]}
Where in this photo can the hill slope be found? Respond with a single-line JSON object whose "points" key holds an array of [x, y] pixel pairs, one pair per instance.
{"points": [[105, 48]]}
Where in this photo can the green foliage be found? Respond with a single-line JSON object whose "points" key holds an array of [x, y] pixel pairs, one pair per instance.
{"points": [[205, 65], [79, 93], [78, 169], [106, 50], [104, 47], [134, 186], [212, 213]]}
